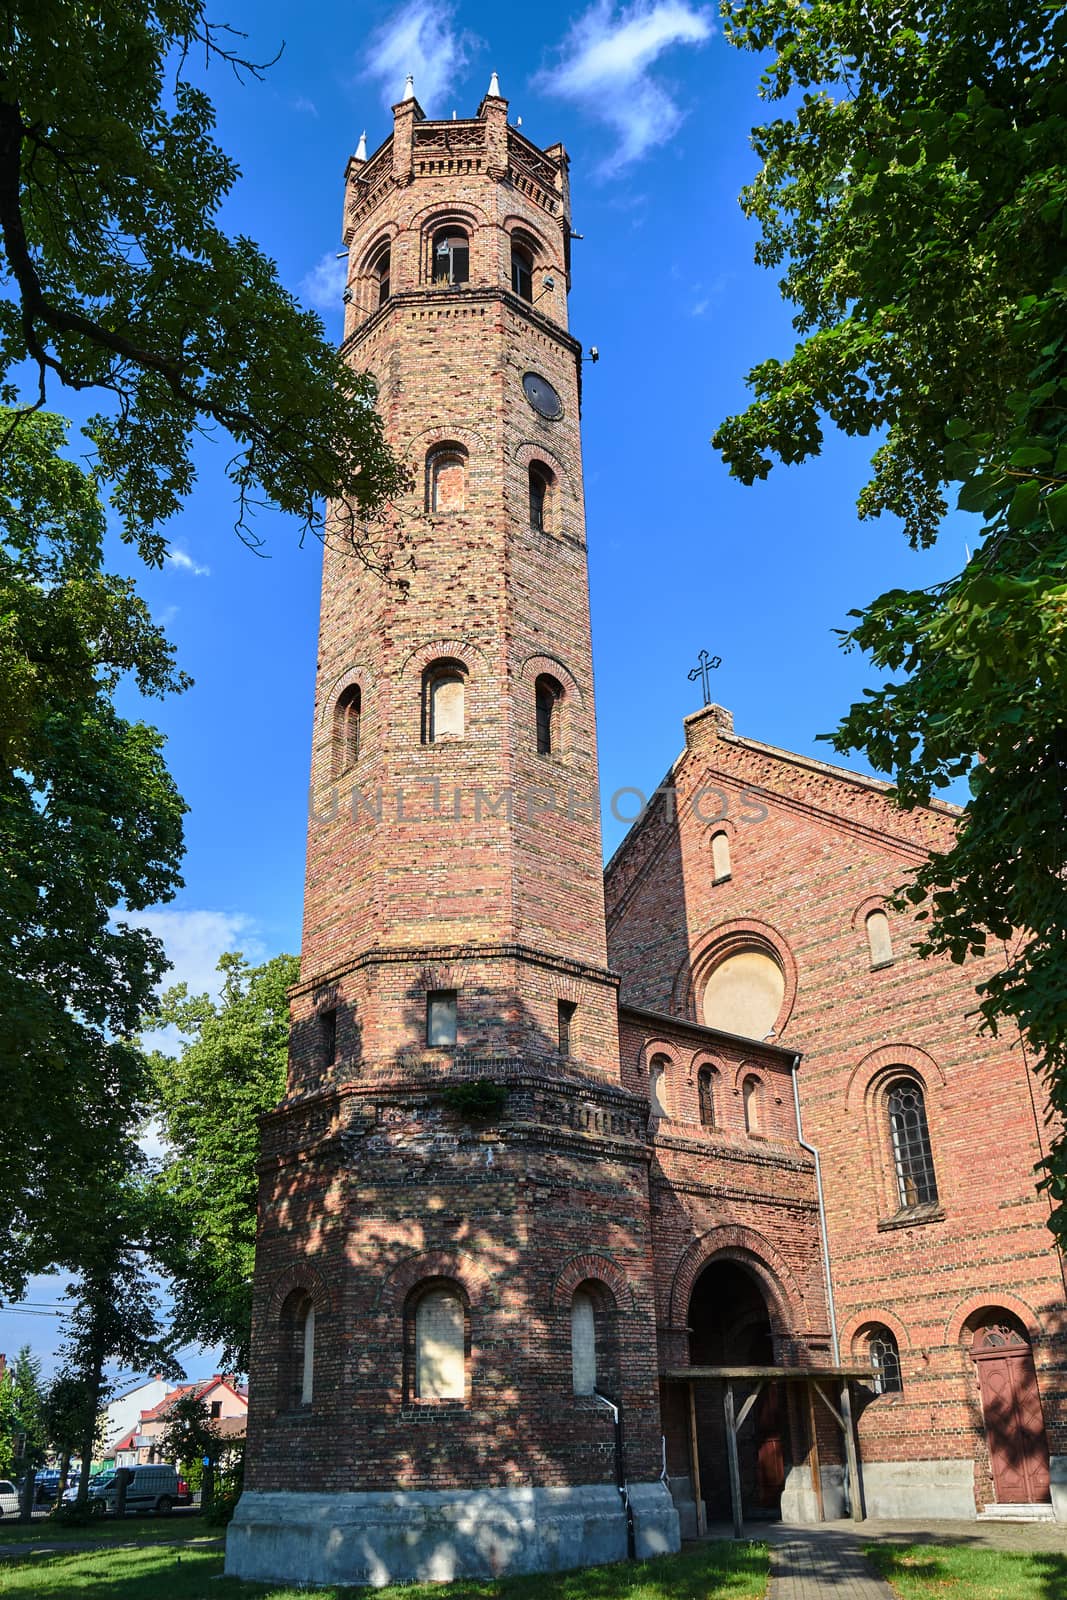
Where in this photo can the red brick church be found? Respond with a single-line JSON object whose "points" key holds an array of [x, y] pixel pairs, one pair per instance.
{"points": [[601, 1204]]}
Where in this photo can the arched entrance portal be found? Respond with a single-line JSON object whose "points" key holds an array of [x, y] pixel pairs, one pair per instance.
{"points": [[729, 1326], [1011, 1409]]}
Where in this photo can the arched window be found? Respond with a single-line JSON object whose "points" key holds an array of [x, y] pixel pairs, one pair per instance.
{"points": [[878, 1343], [440, 1344], [706, 1095], [744, 994], [548, 696], [541, 481], [879, 940], [346, 717], [451, 256], [446, 478], [594, 1339], [379, 274], [443, 693], [720, 857], [521, 270], [583, 1342], [298, 1349], [751, 1095], [657, 1088], [910, 1140]]}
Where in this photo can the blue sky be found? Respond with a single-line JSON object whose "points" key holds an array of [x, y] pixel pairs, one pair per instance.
{"points": [[655, 109]]}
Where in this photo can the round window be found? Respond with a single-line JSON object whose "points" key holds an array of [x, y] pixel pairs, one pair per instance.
{"points": [[541, 395], [744, 994]]}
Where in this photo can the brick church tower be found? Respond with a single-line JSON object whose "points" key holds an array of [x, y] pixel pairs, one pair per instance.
{"points": [[454, 1347]]}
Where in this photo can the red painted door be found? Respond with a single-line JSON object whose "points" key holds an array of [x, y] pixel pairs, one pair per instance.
{"points": [[770, 1457], [1011, 1410]]}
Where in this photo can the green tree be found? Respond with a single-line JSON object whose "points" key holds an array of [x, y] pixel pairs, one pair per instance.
{"points": [[230, 1071], [22, 1427], [119, 280], [90, 826], [114, 1314], [913, 190], [68, 1419]]}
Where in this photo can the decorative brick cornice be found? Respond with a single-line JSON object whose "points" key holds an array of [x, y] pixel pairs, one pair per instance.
{"points": [[422, 955]]}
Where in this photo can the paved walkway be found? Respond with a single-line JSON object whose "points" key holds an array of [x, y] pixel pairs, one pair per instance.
{"points": [[812, 1567], [64, 1547], [824, 1561]]}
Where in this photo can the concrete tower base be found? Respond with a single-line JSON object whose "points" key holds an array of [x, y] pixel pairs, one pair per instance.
{"points": [[435, 1535]]}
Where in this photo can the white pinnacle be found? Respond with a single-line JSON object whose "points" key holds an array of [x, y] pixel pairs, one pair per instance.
{"points": [[494, 86], [409, 87], [361, 147]]}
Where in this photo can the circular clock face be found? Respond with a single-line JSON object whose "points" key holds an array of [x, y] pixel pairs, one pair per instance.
{"points": [[541, 395]]}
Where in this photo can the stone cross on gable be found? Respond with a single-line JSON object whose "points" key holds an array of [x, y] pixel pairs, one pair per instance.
{"points": [[705, 664]]}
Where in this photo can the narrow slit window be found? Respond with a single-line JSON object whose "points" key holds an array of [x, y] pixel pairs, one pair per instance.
{"points": [[548, 694], [441, 1017], [566, 1010], [910, 1139], [346, 730], [657, 1087], [706, 1096], [720, 858], [540, 496], [583, 1343], [750, 1094], [328, 1027]]}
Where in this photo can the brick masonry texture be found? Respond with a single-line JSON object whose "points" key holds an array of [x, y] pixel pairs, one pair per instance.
{"points": [[472, 864]]}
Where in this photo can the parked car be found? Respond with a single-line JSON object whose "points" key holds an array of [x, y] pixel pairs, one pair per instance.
{"points": [[70, 1494], [9, 1499], [46, 1487], [185, 1494], [148, 1489]]}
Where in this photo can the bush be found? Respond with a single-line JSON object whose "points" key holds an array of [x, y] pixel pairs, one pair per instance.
{"points": [[481, 1100]]}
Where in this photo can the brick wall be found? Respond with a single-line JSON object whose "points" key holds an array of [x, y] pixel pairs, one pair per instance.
{"points": [[812, 852]]}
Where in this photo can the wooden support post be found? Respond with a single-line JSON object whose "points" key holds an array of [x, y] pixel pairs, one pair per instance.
{"points": [[813, 1453], [731, 1452], [855, 1486], [694, 1464]]}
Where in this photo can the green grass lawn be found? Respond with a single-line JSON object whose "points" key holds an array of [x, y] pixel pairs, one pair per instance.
{"points": [[716, 1571], [131, 1530], [960, 1572]]}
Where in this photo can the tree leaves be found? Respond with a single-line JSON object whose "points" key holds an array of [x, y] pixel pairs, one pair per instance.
{"points": [[918, 200], [231, 1070], [120, 281], [90, 826]]}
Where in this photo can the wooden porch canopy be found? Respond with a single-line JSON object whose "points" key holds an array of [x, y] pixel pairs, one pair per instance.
{"points": [[816, 1380]]}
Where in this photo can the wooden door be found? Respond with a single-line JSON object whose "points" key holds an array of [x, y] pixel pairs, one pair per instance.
{"points": [[770, 1457], [1011, 1410]]}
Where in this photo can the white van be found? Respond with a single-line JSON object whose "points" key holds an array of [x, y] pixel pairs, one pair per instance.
{"points": [[9, 1499], [148, 1489]]}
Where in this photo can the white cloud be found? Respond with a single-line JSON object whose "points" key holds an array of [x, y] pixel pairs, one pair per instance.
{"points": [[420, 38], [324, 285], [194, 941], [605, 68], [302, 103], [185, 563]]}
